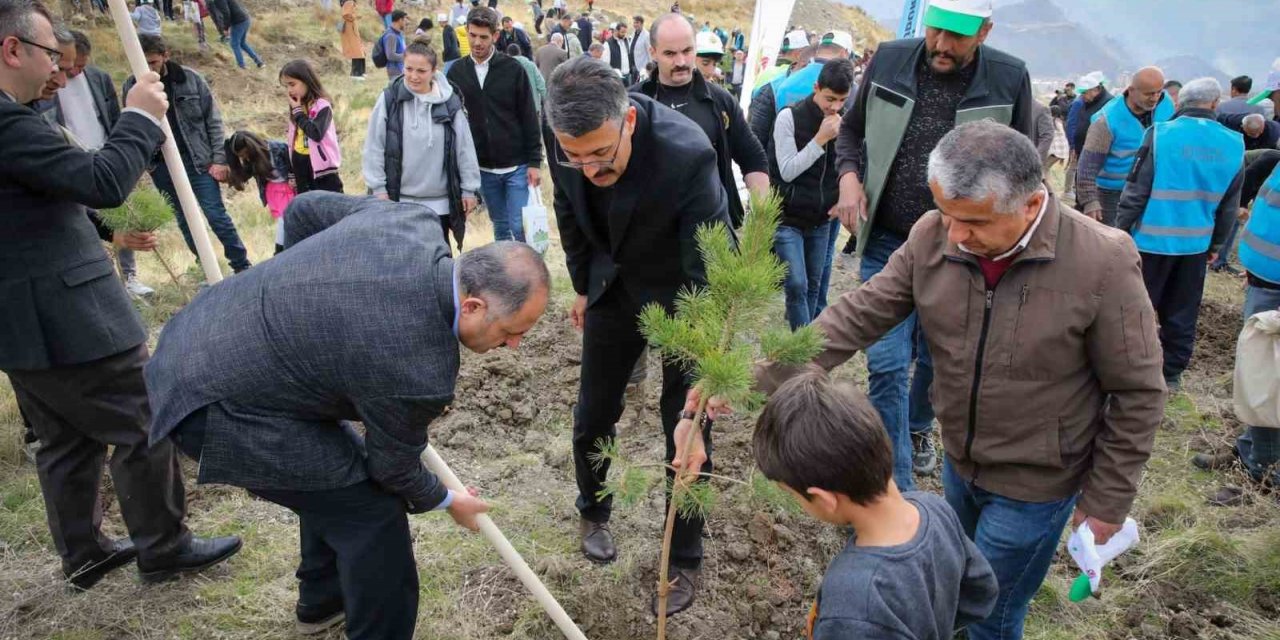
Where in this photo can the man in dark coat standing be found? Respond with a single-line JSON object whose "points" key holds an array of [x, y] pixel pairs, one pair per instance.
{"points": [[70, 340], [359, 319], [633, 182]]}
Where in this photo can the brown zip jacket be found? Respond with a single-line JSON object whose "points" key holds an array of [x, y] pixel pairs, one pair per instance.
{"points": [[1049, 384]]}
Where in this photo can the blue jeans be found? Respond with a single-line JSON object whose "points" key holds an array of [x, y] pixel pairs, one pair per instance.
{"points": [[888, 363], [1259, 447], [209, 196], [239, 47], [505, 195], [834, 226], [804, 252], [1017, 538]]}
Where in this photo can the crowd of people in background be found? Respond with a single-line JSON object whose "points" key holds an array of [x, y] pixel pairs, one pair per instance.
{"points": [[1075, 306]]}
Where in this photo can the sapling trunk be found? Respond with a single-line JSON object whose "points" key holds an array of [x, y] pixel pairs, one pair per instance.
{"points": [[664, 581]]}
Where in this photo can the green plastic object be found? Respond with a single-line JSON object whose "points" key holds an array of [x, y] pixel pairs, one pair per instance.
{"points": [[1080, 589]]}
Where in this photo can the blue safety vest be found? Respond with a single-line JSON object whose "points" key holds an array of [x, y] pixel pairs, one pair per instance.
{"points": [[1196, 161], [1126, 138], [796, 86], [1260, 244]]}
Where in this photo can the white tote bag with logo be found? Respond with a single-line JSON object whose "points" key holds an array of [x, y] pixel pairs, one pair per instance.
{"points": [[537, 229], [1257, 384]]}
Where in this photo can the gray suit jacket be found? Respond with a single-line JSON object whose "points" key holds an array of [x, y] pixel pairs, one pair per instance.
{"points": [[353, 322], [59, 304]]}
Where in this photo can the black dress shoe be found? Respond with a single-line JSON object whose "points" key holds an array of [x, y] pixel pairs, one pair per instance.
{"points": [[684, 585], [597, 541], [1214, 461], [199, 554], [1229, 496], [317, 618], [122, 552]]}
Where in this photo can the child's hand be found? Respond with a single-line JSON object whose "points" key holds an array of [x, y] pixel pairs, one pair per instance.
{"points": [[293, 102]]}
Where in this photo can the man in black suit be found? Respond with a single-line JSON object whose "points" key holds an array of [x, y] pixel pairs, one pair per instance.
{"points": [[360, 319], [70, 340], [633, 181]]}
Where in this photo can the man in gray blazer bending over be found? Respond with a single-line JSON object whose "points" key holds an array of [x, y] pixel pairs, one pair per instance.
{"points": [[359, 319]]}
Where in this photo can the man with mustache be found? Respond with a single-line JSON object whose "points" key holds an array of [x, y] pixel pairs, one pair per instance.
{"points": [[633, 181], [913, 93]]}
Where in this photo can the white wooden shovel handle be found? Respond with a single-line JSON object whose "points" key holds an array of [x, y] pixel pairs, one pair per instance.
{"points": [[508, 552], [181, 183]]}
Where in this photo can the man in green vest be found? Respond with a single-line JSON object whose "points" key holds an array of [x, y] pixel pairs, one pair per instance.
{"points": [[913, 93], [1180, 198], [1115, 133]]}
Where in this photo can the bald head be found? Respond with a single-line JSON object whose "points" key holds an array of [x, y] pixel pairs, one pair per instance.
{"points": [[671, 25], [1254, 124], [557, 39], [1145, 90]]}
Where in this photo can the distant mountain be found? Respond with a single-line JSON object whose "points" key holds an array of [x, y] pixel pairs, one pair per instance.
{"points": [[1054, 47], [1186, 68], [1231, 37]]}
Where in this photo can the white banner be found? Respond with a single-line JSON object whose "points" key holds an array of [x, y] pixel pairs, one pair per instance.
{"points": [[768, 28]]}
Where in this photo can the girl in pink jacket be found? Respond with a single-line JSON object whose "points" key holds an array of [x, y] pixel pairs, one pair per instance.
{"points": [[313, 138]]}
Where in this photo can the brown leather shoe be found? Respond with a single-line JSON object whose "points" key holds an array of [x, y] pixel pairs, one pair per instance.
{"points": [[597, 541], [1214, 461], [684, 585]]}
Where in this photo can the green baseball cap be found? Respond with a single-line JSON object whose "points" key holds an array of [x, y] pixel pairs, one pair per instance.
{"points": [[964, 17]]}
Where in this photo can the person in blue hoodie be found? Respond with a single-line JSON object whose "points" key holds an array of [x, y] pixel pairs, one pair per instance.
{"points": [[419, 146]]}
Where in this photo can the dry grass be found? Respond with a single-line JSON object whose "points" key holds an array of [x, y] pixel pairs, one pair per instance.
{"points": [[1194, 558]]}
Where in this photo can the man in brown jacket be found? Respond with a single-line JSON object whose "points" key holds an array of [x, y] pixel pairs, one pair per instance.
{"points": [[1048, 385]]}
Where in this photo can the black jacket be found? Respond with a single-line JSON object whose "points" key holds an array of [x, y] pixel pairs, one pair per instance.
{"points": [[226, 13], [504, 121], [584, 33], [1084, 116], [394, 97], [60, 303], [733, 142], [1270, 131], [517, 37], [669, 189], [763, 114], [807, 199], [452, 48]]}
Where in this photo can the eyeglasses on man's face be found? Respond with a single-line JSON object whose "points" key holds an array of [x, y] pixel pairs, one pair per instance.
{"points": [[54, 54], [562, 158]]}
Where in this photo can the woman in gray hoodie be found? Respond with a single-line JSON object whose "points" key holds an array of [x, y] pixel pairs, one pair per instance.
{"points": [[419, 147]]}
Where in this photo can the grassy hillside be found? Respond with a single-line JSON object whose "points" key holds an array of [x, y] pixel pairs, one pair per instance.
{"points": [[1200, 573]]}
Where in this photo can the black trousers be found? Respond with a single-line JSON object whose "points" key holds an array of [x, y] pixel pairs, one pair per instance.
{"points": [[305, 178], [611, 344], [357, 67], [1175, 285], [76, 411], [355, 547]]}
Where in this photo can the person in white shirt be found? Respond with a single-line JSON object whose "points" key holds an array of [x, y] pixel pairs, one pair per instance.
{"points": [[88, 107]]}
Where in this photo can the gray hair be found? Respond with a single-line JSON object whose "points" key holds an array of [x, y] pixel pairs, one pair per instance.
{"points": [[1201, 92], [1253, 121], [62, 35], [18, 18], [983, 159], [557, 38], [503, 274], [583, 94], [595, 46]]}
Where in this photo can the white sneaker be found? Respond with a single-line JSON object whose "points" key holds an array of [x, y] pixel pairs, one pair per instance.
{"points": [[137, 289], [358, 78]]}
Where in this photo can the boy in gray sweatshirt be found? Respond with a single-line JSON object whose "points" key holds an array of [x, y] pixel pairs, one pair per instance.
{"points": [[908, 571]]}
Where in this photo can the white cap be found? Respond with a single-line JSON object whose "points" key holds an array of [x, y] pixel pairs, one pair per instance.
{"points": [[964, 17], [442, 18], [1089, 81], [841, 39], [797, 39], [709, 44]]}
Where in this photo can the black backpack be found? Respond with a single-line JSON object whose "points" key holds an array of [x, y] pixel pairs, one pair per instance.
{"points": [[380, 51]]}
